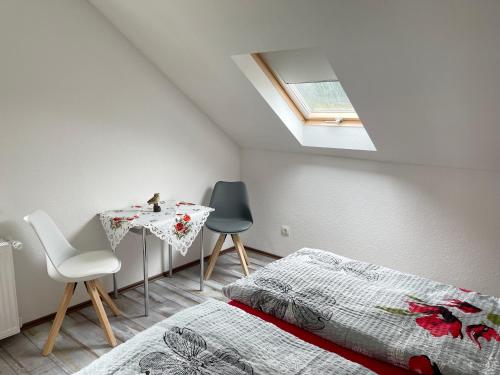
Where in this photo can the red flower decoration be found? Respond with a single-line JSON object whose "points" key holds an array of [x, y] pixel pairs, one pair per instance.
{"points": [[439, 321], [438, 326], [182, 225], [477, 331], [117, 219], [421, 364], [415, 307], [466, 307], [184, 204]]}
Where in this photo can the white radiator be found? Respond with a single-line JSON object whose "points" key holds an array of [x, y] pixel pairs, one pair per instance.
{"points": [[9, 317]]}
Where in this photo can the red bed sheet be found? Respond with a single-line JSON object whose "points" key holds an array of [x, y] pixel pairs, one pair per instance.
{"points": [[373, 364]]}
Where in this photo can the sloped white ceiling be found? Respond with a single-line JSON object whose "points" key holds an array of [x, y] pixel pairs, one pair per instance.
{"points": [[424, 75]]}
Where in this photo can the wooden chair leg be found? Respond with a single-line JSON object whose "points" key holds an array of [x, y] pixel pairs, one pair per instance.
{"points": [[241, 253], [61, 313], [215, 255], [242, 247], [105, 296], [101, 313]]}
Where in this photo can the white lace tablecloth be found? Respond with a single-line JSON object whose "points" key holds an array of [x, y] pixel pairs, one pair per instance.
{"points": [[178, 223]]}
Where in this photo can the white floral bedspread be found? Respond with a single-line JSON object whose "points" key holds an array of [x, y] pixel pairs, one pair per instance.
{"points": [[217, 339], [409, 321], [178, 223]]}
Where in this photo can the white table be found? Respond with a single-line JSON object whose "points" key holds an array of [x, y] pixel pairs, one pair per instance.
{"points": [[178, 224]]}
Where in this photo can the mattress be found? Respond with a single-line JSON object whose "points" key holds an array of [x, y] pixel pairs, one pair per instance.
{"points": [[399, 318], [216, 338]]}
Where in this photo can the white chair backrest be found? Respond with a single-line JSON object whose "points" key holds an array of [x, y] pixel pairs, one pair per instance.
{"points": [[57, 248]]}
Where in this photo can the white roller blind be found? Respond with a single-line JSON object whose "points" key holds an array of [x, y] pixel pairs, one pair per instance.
{"points": [[300, 65]]}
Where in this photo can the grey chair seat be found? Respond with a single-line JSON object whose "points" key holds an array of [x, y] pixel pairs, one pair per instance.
{"points": [[228, 225]]}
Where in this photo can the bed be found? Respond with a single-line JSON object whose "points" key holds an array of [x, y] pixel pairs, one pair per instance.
{"points": [[404, 320], [216, 338]]}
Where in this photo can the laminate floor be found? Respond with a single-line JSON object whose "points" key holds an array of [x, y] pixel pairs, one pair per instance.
{"points": [[81, 339]]}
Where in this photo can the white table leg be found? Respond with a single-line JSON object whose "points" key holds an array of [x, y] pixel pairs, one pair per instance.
{"points": [[170, 260], [202, 260], [145, 264]]}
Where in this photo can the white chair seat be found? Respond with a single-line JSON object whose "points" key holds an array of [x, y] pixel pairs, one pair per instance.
{"points": [[89, 265]]}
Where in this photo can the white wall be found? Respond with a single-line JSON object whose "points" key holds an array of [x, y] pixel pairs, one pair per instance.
{"points": [[87, 124], [439, 223]]}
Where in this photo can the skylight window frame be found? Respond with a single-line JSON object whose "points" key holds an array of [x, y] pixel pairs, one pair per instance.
{"points": [[300, 109]]}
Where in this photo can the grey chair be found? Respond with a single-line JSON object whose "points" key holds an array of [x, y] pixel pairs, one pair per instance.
{"points": [[232, 216]]}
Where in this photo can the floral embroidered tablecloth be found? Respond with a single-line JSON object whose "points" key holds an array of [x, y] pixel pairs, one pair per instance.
{"points": [[178, 223]]}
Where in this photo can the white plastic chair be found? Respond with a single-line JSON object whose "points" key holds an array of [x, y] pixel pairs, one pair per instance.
{"points": [[71, 266]]}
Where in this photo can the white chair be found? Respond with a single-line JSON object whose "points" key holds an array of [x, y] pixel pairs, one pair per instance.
{"points": [[71, 266]]}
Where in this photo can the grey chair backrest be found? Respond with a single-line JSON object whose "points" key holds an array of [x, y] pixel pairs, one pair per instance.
{"points": [[230, 200]]}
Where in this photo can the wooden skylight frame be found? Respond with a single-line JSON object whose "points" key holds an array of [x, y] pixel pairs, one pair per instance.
{"points": [[323, 119]]}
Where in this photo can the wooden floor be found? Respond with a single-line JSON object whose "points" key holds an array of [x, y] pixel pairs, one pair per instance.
{"points": [[81, 340]]}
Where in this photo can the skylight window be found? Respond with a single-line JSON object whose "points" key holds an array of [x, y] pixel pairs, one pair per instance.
{"points": [[310, 87], [302, 89], [318, 100]]}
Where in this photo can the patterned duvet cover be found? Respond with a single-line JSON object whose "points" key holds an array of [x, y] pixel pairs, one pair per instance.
{"points": [[409, 321], [217, 339]]}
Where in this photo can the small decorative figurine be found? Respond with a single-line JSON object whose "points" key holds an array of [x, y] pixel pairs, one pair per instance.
{"points": [[154, 201]]}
